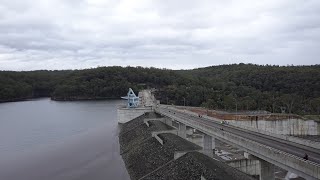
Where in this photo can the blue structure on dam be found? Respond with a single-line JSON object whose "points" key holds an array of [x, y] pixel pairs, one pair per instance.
{"points": [[133, 100]]}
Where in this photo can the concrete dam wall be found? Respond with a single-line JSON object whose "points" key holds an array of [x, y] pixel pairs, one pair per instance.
{"points": [[273, 123], [292, 127], [152, 150]]}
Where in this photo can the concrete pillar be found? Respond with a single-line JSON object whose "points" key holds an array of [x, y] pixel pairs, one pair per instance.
{"points": [[182, 130], [267, 170], [175, 124], [248, 166], [189, 131], [291, 175], [208, 145], [169, 121], [196, 139]]}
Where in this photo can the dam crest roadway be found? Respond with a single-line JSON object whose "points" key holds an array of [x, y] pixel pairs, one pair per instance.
{"points": [[271, 150]]}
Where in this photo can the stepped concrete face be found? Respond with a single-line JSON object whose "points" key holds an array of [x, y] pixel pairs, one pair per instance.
{"points": [[157, 152]]}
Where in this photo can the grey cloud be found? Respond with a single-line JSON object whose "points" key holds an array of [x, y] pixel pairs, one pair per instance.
{"points": [[61, 34]]}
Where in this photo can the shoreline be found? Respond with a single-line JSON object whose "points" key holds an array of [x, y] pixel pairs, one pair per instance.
{"points": [[59, 99], [18, 99], [83, 98]]}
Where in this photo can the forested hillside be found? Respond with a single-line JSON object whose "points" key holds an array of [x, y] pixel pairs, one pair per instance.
{"points": [[248, 87], [23, 85], [293, 89]]}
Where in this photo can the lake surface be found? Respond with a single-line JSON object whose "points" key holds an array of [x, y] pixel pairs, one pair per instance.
{"points": [[44, 139]]}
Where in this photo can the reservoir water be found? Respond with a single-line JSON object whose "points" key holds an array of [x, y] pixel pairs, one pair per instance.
{"points": [[44, 139]]}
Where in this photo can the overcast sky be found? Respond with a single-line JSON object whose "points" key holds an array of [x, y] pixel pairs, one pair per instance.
{"points": [[76, 34]]}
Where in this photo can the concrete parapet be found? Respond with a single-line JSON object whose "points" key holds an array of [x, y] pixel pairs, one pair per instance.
{"points": [[250, 156], [155, 119], [286, 161], [297, 165], [158, 139], [284, 127], [167, 121], [178, 154], [241, 124], [293, 139], [173, 131], [127, 114], [289, 126]]}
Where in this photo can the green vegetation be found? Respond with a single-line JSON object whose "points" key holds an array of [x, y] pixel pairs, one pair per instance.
{"points": [[312, 117], [23, 85], [293, 89]]}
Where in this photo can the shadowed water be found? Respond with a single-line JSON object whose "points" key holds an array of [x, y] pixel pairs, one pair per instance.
{"points": [[44, 139]]}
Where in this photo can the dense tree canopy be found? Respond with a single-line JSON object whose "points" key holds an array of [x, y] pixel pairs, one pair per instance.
{"points": [[293, 89]]}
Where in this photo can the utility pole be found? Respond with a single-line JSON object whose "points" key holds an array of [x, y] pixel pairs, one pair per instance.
{"points": [[236, 106], [184, 101], [235, 99]]}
